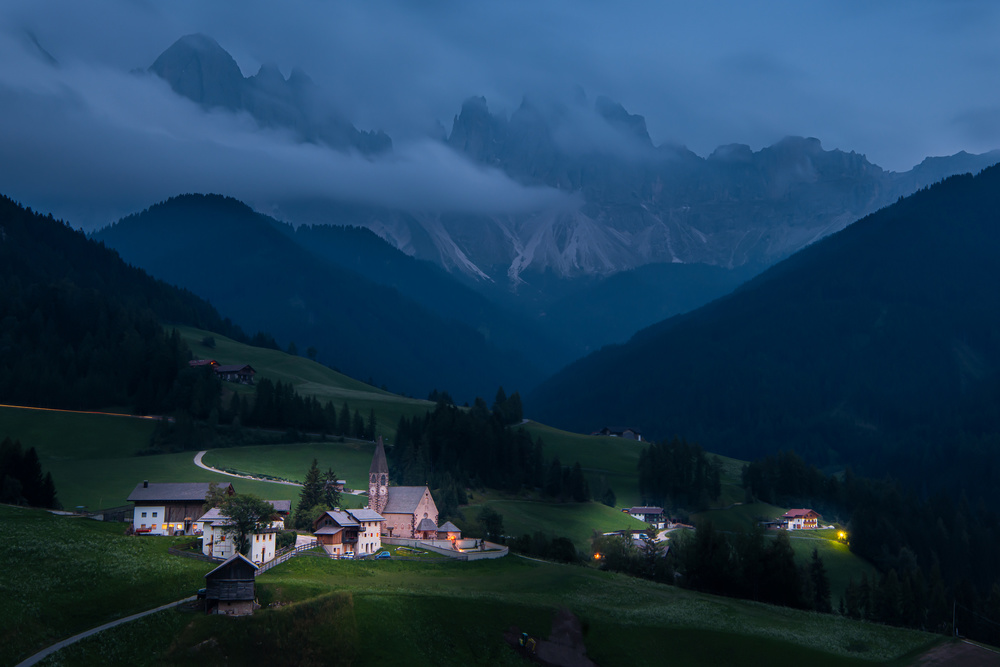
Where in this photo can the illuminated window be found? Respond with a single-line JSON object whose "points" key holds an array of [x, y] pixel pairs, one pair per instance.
{"points": [[154, 526]]}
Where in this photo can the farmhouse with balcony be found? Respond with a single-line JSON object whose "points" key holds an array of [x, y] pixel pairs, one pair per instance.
{"points": [[801, 519], [651, 515], [171, 508], [356, 531]]}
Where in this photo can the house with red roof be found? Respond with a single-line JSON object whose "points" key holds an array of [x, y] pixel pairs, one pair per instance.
{"points": [[801, 519]]}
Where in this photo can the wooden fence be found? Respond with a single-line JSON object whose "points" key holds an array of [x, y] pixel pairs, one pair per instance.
{"points": [[284, 554]]}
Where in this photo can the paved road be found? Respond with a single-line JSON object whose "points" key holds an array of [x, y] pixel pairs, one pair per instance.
{"points": [[41, 655]]}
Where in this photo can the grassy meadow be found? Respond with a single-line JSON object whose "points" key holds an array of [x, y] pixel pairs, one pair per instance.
{"points": [[322, 612], [350, 460], [63, 575], [309, 379], [577, 521]]}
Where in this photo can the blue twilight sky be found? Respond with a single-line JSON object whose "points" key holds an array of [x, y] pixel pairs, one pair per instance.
{"points": [[895, 80]]}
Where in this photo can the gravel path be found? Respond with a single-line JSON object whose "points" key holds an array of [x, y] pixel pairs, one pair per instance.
{"points": [[41, 655]]}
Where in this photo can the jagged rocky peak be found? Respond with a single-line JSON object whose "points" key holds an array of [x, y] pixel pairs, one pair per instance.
{"points": [[198, 68], [616, 116], [734, 153], [476, 132]]}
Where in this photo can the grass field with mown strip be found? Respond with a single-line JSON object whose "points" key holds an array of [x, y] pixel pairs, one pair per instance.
{"points": [[351, 460], [102, 483], [309, 379], [577, 521], [63, 575], [59, 435]]}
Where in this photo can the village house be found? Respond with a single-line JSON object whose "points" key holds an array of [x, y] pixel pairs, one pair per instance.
{"points": [[654, 516], [409, 511], [201, 363], [242, 373], [215, 542], [355, 532], [801, 519], [230, 588], [620, 432], [171, 508]]}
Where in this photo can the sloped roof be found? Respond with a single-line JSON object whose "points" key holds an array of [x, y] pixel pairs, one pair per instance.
{"points": [[327, 530], [284, 506], [366, 515], [342, 518], [175, 492], [234, 368], [229, 562], [379, 464], [794, 514], [646, 510], [427, 524], [449, 527], [403, 499]]}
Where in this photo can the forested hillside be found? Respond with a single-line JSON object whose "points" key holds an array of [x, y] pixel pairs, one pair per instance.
{"points": [[249, 267], [79, 328], [878, 347]]}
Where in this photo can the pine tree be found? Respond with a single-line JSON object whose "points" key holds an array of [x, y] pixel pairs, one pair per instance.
{"points": [[370, 427], [820, 584], [331, 496], [310, 496]]}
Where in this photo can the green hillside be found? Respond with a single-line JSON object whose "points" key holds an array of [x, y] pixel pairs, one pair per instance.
{"points": [[449, 612], [309, 379], [350, 460]]}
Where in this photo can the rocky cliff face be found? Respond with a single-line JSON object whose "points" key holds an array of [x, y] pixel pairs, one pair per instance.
{"points": [[198, 68], [639, 204]]}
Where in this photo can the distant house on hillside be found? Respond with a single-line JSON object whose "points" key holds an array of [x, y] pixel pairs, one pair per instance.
{"points": [[170, 509], [217, 544], [242, 373], [201, 363], [626, 432], [230, 588], [801, 519], [651, 515]]}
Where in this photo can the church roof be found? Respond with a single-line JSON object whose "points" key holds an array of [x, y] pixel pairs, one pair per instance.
{"points": [[379, 464], [426, 524], [403, 499]]}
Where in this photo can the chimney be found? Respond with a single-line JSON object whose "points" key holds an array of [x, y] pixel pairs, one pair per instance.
{"points": [[145, 483]]}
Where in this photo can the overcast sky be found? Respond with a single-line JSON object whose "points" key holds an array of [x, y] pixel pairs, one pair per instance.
{"points": [[895, 80]]}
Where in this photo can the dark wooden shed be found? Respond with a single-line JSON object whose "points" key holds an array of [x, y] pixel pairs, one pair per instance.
{"points": [[229, 588]]}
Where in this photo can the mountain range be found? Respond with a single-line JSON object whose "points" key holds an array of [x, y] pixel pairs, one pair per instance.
{"points": [[878, 346], [637, 203]]}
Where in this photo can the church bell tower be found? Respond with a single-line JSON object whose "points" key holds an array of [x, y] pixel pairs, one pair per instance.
{"points": [[378, 479]]}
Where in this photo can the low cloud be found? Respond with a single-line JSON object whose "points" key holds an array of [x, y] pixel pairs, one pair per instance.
{"points": [[93, 143]]}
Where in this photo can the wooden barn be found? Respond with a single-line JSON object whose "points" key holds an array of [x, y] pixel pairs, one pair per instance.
{"points": [[229, 588]]}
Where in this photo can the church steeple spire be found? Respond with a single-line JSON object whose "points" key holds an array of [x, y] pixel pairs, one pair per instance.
{"points": [[378, 479]]}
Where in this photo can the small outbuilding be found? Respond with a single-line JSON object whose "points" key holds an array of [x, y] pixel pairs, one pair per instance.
{"points": [[230, 588], [449, 531]]}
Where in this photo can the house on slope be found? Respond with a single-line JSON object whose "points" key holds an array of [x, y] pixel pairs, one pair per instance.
{"points": [[242, 373], [170, 508], [801, 519], [230, 588], [651, 515], [409, 511], [217, 544], [626, 432], [354, 531]]}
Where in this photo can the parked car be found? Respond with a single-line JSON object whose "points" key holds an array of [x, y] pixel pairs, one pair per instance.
{"points": [[382, 555], [349, 555]]}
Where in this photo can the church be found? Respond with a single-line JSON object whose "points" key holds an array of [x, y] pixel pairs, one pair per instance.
{"points": [[409, 511]]}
